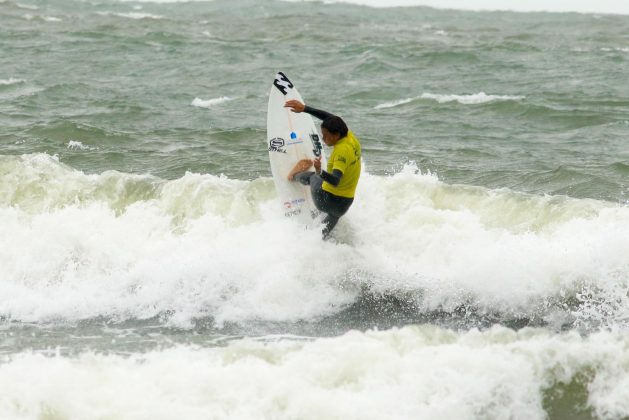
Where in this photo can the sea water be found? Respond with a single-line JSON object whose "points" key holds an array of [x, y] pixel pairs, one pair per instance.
{"points": [[147, 272]]}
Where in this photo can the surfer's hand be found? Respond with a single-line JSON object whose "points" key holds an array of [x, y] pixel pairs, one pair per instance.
{"points": [[317, 164], [295, 105]]}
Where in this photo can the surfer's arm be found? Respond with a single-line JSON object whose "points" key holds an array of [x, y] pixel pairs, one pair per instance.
{"points": [[332, 178], [322, 115], [298, 107]]}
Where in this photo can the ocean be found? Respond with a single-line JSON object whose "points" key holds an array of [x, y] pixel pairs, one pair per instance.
{"points": [[146, 268]]}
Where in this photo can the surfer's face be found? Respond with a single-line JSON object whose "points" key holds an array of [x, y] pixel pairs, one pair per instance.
{"points": [[329, 139]]}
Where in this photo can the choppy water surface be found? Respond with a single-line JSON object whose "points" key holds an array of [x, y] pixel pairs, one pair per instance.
{"points": [[481, 273]]}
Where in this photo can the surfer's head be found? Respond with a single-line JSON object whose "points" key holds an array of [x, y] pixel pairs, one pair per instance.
{"points": [[333, 129]]}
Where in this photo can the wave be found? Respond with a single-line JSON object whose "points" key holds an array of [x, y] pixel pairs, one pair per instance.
{"points": [[478, 98], [417, 372], [138, 15], [616, 49], [77, 246], [11, 81], [393, 104], [26, 6], [208, 103], [77, 145], [132, 15]]}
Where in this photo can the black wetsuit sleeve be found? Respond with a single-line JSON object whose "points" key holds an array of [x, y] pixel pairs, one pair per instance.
{"points": [[322, 115], [332, 178], [335, 177]]}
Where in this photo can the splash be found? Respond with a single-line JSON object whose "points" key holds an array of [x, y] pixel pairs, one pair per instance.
{"points": [[123, 246], [413, 372]]}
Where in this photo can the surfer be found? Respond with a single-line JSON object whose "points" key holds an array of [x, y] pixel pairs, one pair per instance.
{"points": [[333, 189]]}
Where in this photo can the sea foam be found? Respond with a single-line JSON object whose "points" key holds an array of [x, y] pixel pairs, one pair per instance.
{"points": [[393, 104], [478, 98], [409, 373], [132, 15], [121, 246], [473, 99], [11, 81], [208, 103]]}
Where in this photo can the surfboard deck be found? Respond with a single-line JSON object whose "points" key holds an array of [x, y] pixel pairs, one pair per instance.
{"points": [[291, 137]]}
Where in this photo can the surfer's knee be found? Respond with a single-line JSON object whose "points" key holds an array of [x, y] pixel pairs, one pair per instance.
{"points": [[301, 166], [303, 177]]}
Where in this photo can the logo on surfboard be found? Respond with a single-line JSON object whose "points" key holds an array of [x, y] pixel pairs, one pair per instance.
{"points": [[282, 83], [292, 203], [294, 139], [316, 144], [277, 145]]}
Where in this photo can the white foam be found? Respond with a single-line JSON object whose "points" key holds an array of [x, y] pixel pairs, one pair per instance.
{"points": [[616, 49], [11, 81], [208, 103], [472, 99], [132, 15], [394, 103], [76, 246], [410, 373], [478, 98], [77, 145], [138, 15], [27, 6]]}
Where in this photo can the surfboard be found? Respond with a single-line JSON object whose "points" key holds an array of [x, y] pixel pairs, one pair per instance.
{"points": [[291, 137]]}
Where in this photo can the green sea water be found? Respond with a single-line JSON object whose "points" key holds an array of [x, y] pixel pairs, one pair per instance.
{"points": [[146, 272], [121, 81]]}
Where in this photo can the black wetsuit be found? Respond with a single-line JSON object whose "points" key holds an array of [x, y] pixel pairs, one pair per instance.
{"points": [[332, 205]]}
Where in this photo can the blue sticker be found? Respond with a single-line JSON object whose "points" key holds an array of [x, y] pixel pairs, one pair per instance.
{"points": [[293, 135]]}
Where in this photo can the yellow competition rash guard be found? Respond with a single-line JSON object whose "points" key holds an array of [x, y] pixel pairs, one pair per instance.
{"points": [[346, 158]]}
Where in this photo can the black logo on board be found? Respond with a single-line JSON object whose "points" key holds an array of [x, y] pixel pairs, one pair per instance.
{"points": [[316, 144], [277, 145], [282, 83]]}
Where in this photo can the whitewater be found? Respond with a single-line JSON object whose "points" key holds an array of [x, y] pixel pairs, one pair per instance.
{"points": [[109, 260], [146, 268], [194, 247]]}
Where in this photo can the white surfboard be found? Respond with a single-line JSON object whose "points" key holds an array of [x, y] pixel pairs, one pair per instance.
{"points": [[291, 137]]}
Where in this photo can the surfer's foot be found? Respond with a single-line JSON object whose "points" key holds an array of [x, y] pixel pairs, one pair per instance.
{"points": [[301, 166]]}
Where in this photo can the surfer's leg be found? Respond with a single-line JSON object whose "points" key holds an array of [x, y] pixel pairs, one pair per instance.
{"points": [[328, 224], [334, 206], [303, 177], [319, 197], [301, 166], [325, 201]]}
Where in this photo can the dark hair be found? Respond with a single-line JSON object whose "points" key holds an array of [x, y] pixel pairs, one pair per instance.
{"points": [[335, 125]]}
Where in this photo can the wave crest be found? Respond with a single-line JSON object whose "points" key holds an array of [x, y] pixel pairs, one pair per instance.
{"points": [[129, 246]]}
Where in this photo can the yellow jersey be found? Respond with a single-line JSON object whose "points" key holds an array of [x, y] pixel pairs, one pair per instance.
{"points": [[346, 158]]}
